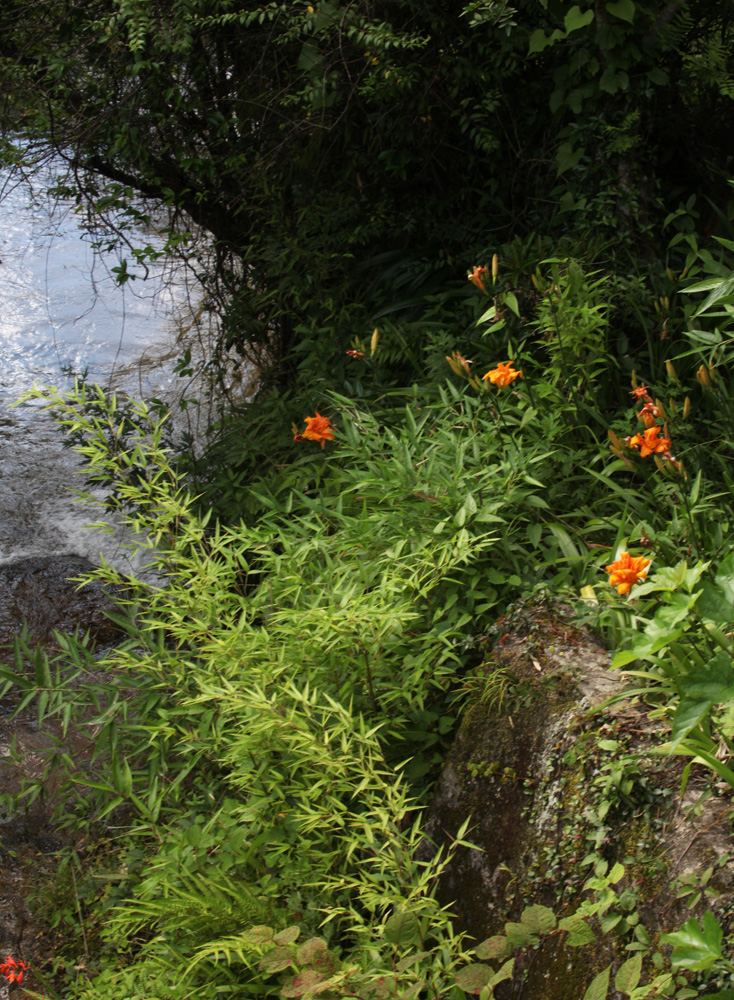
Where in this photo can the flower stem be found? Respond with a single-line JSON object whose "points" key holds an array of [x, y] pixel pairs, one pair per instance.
{"points": [[691, 521]]}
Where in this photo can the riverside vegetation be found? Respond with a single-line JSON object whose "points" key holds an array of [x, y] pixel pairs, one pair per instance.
{"points": [[268, 733], [423, 453]]}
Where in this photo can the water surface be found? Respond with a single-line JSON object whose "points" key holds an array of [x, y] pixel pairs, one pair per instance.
{"points": [[63, 314]]}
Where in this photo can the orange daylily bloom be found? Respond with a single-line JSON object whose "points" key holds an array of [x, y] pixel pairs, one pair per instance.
{"points": [[355, 354], [648, 413], [477, 276], [641, 392], [12, 970], [318, 428], [649, 443], [626, 571], [502, 375]]}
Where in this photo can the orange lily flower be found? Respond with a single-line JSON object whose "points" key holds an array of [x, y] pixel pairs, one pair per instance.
{"points": [[648, 413], [502, 375], [641, 392], [649, 443], [477, 276], [627, 571], [318, 428]]}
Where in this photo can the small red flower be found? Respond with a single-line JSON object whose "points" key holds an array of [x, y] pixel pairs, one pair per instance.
{"points": [[355, 354], [12, 970]]}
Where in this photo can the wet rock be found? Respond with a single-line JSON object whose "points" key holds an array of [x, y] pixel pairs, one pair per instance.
{"points": [[556, 790], [43, 592]]}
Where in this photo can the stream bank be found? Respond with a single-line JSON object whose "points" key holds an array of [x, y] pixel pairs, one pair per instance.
{"points": [[61, 314]]}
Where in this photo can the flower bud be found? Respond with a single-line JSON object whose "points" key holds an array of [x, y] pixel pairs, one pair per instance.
{"points": [[671, 371], [703, 377], [686, 407], [495, 268], [374, 341]]}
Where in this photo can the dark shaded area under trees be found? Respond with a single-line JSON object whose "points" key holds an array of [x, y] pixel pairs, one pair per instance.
{"points": [[350, 158]]}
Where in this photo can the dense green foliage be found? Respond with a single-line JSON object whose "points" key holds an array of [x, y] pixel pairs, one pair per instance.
{"points": [[352, 159], [270, 728], [269, 731]]}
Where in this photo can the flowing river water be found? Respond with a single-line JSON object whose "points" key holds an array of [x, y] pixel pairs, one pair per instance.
{"points": [[61, 313]]}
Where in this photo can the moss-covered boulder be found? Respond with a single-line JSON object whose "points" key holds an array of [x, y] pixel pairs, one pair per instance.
{"points": [[559, 789]]}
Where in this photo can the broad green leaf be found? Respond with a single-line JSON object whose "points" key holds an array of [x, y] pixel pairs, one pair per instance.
{"points": [[696, 946], [616, 873], [579, 932], [473, 978], [504, 972], [623, 9], [644, 647], [567, 157], [193, 835], [628, 975], [716, 602], [537, 42], [676, 609], [288, 936], [704, 686], [275, 960], [539, 919], [402, 928], [520, 935], [494, 947], [311, 951], [510, 300], [576, 18], [612, 80], [687, 715], [306, 982], [599, 986]]}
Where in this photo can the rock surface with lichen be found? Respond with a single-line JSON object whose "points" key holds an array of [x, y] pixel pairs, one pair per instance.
{"points": [[561, 785]]}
